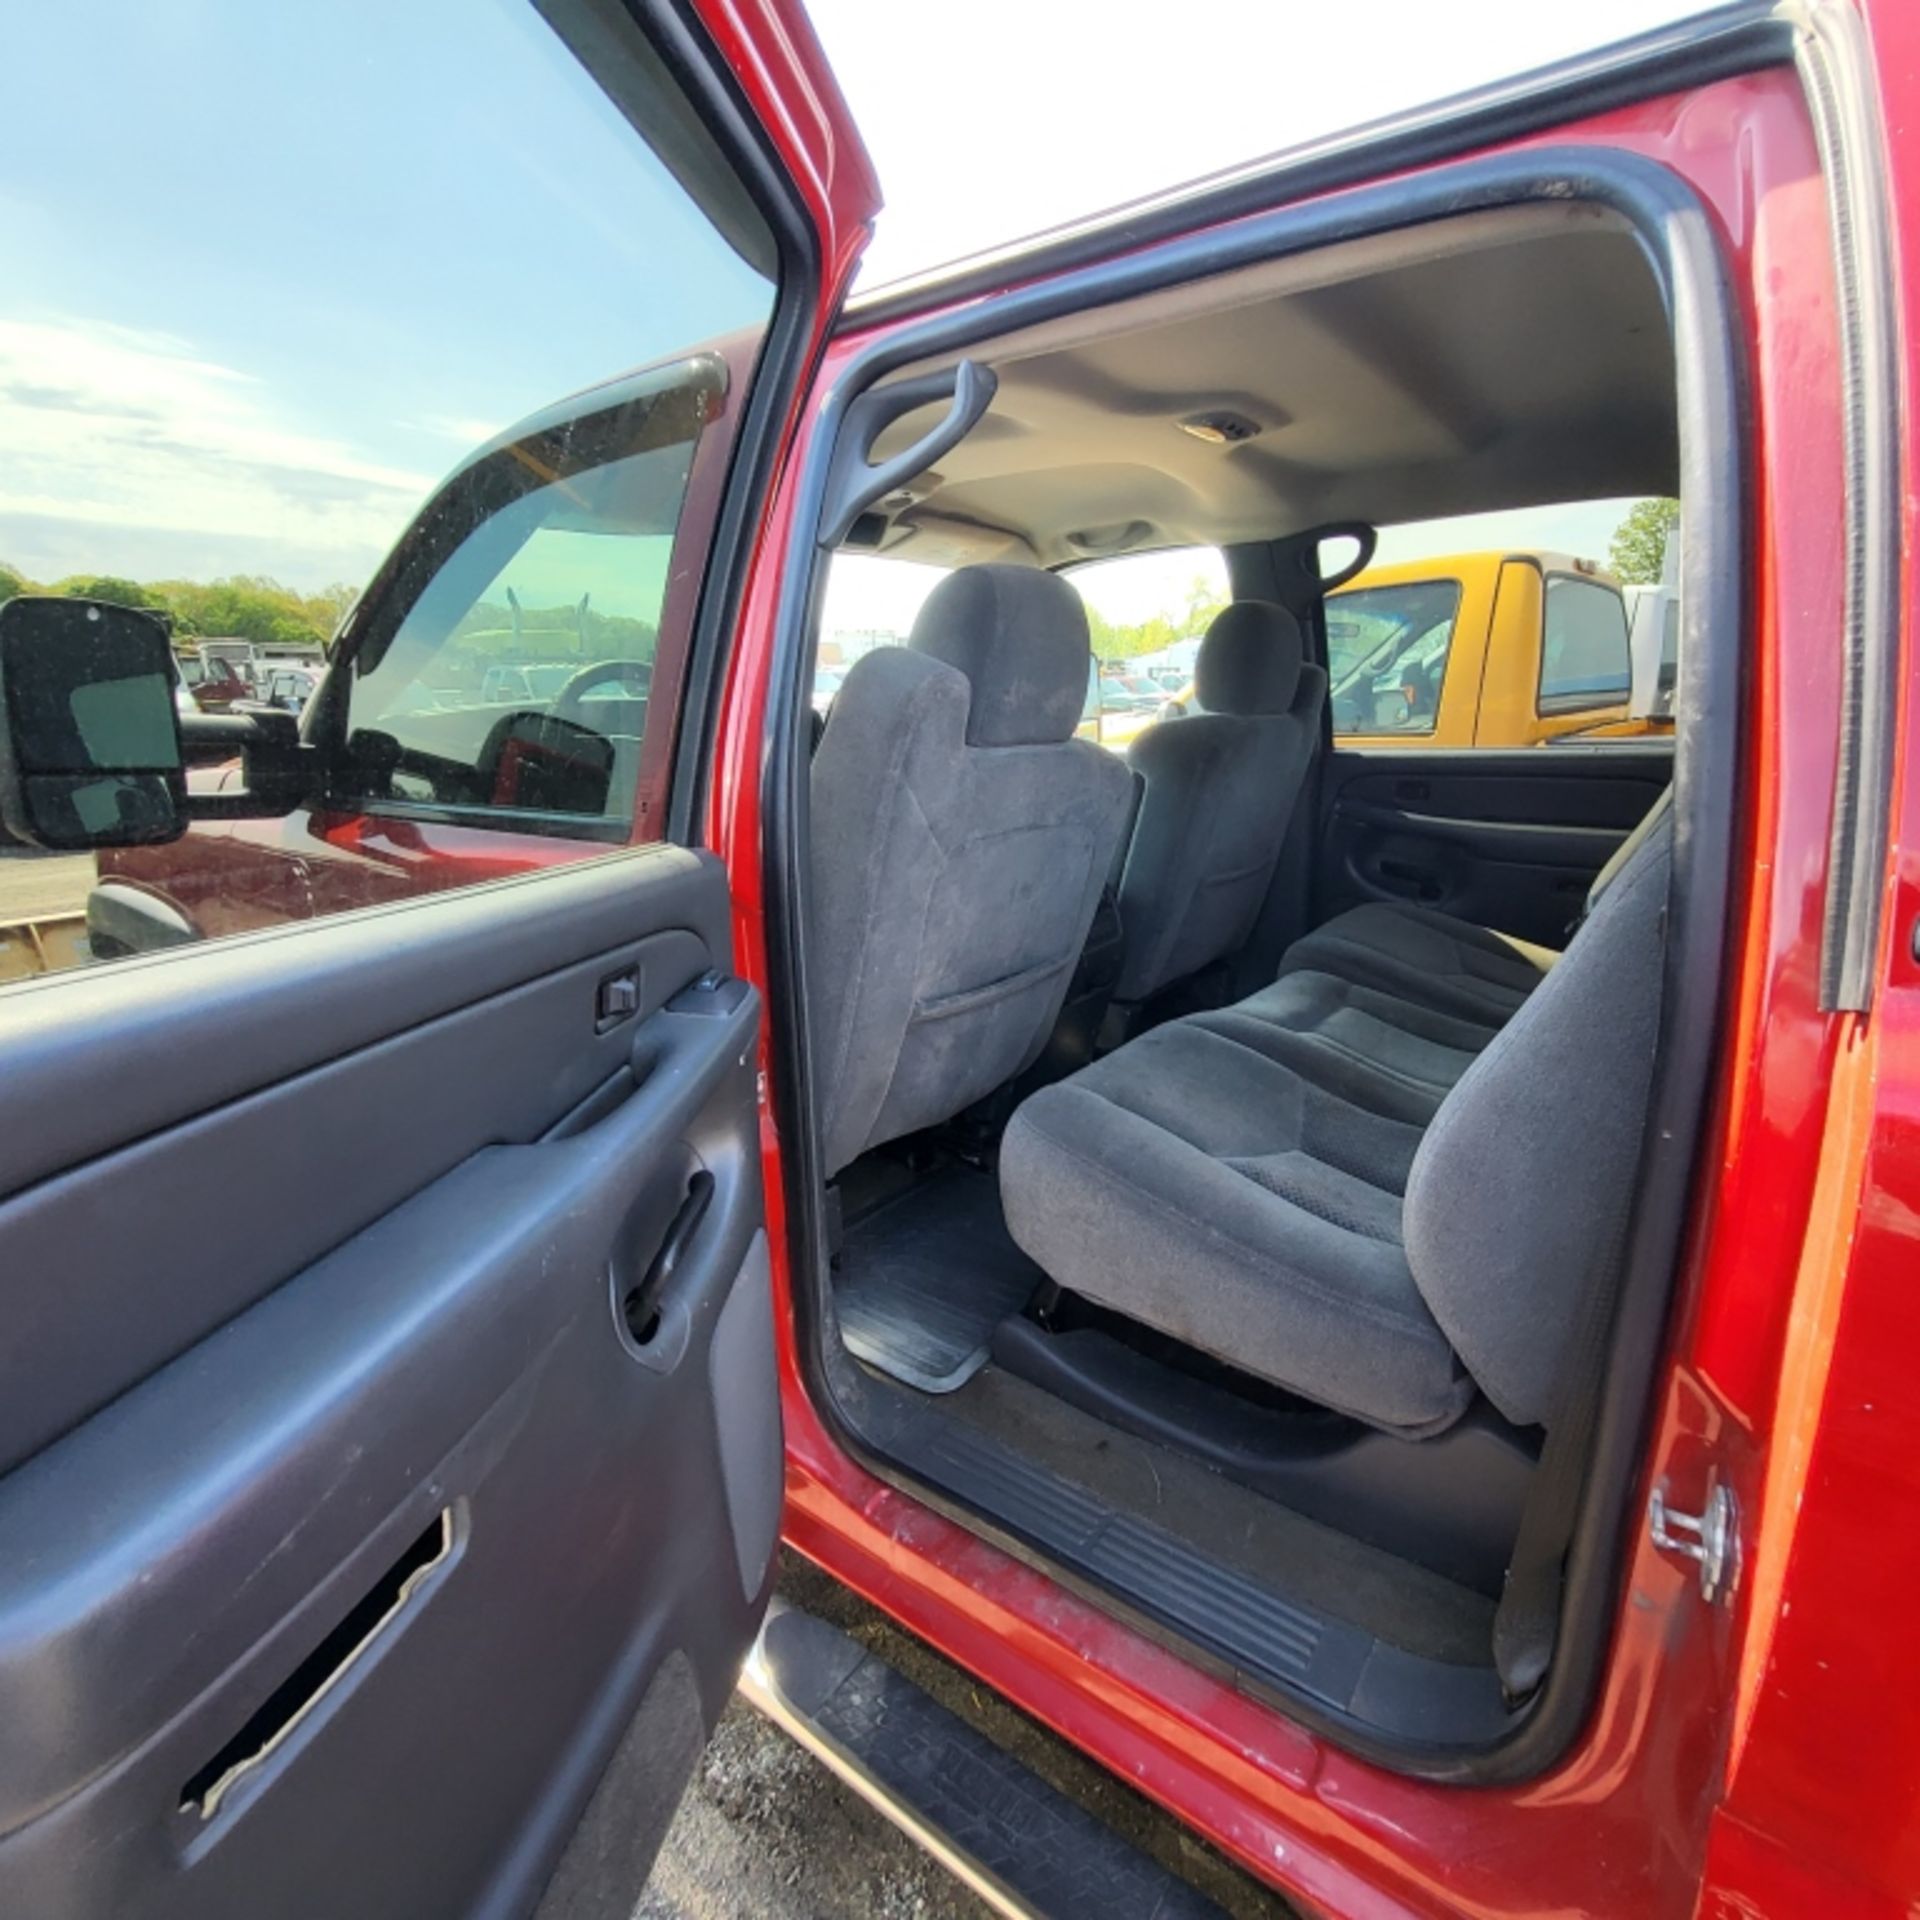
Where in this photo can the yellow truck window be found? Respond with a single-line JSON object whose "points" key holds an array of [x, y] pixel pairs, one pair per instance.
{"points": [[1584, 657], [1387, 650]]}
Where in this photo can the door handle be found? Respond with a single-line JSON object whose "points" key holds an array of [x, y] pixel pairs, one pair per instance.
{"points": [[640, 1305], [1424, 884]]}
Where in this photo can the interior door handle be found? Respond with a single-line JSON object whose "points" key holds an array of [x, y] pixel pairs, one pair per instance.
{"points": [[640, 1306], [1425, 884]]}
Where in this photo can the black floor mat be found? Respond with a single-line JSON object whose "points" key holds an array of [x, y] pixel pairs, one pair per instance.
{"points": [[922, 1280]]}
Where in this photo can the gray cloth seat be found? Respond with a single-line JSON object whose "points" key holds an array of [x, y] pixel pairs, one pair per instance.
{"points": [[1216, 792], [1427, 959], [961, 836], [1440, 962], [1378, 1206], [1193, 1183], [1385, 1053]]}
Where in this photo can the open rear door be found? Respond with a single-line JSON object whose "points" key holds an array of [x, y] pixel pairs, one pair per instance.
{"points": [[390, 1462]]}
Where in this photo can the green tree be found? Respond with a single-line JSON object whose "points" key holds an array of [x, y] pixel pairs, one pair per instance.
{"points": [[1204, 601], [110, 586], [1116, 642], [1639, 547], [327, 608], [242, 606], [247, 607]]}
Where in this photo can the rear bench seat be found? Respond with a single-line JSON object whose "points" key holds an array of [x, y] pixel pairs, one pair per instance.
{"points": [[1381, 1181]]}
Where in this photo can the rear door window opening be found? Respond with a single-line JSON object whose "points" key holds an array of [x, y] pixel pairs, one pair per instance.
{"points": [[994, 1421]]}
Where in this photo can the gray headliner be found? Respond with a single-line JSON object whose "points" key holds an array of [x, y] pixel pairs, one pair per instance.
{"points": [[1494, 360]]}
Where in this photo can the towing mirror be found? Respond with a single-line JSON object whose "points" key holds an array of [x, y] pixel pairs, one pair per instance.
{"points": [[90, 750]]}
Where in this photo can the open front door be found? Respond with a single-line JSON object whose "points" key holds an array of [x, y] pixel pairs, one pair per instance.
{"points": [[390, 1462]]}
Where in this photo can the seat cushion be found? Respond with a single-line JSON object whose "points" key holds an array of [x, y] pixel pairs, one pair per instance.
{"points": [[1196, 1182], [1384, 1182], [1375, 1049], [1428, 959]]}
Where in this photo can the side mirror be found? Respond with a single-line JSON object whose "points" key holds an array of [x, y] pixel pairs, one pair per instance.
{"points": [[89, 735]]}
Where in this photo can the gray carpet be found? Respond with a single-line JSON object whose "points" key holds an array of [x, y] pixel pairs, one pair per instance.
{"points": [[923, 1278]]}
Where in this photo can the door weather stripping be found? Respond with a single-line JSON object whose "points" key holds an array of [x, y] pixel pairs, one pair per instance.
{"points": [[1836, 68], [1709, 1538]]}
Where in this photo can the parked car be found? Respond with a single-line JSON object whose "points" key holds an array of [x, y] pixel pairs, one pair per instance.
{"points": [[1117, 708], [215, 683], [1397, 1340], [1119, 688], [289, 688]]}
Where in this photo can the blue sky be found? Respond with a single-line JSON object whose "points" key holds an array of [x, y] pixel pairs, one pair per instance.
{"points": [[270, 271]]}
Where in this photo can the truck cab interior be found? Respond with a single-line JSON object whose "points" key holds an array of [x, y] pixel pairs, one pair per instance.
{"points": [[1244, 1174]]}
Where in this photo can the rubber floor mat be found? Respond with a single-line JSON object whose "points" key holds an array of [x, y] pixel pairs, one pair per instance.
{"points": [[924, 1278]]}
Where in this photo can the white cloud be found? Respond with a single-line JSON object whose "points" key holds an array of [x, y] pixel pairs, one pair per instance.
{"points": [[129, 445], [467, 430]]}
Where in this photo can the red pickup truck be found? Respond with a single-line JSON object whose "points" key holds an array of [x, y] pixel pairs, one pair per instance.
{"points": [[1370, 1288]]}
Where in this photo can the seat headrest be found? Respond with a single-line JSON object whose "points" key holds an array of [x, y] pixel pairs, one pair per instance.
{"points": [[1249, 661], [1019, 634]]}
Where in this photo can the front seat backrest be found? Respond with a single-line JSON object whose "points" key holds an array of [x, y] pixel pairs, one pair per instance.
{"points": [[1217, 791], [960, 838]]}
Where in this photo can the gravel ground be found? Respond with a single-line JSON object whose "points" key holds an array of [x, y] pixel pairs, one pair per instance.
{"points": [[767, 1833], [766, 1830]]}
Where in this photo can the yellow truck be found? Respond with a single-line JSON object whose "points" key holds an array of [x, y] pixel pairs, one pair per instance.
{"points": [[1483, 650], [1121, 702]]}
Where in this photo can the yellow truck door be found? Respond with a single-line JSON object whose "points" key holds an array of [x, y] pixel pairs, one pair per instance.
{"points": [[1558, 659]]}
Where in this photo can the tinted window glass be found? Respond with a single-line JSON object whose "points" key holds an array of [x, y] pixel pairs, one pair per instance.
{"points": [[1146, 616], [519, 678], [871, 601], [289, 269], [1387, 651], [1584, 657]]}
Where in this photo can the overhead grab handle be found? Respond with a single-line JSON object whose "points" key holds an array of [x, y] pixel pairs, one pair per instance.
{"points": [[854, 483]]}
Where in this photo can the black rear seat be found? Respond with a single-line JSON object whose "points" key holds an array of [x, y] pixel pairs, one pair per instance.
{"points": [[1379, 1181]]}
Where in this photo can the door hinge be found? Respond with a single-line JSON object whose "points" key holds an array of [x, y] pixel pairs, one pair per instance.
{"points": [[1709, 1538]]}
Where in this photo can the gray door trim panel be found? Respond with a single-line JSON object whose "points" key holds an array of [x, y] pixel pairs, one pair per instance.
{"points": [[1511, 838], [113, 1269], [1494, 840], [98, 1058], [167, 1565]]}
